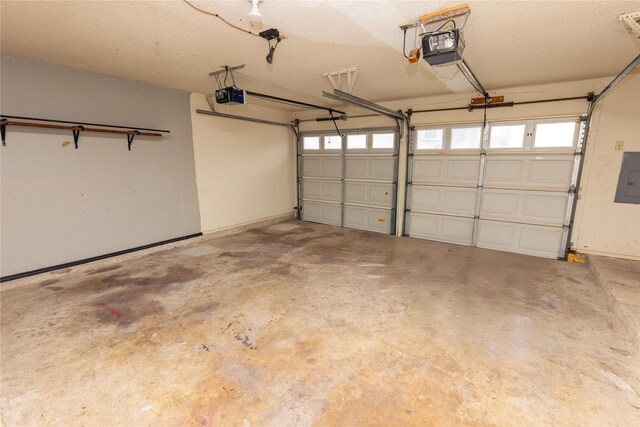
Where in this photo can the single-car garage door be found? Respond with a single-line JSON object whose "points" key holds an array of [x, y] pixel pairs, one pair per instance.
{"points": [[350, 180], [514, 195]]}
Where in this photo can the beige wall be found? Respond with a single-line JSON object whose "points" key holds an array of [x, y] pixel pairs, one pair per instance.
{"points": [[602, 226], [245, 171]]}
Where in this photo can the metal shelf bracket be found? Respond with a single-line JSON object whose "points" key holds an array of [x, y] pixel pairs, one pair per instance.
{"points": [[130, 137], [76, 135]]}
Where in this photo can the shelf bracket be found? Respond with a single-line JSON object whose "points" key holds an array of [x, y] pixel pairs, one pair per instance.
{"points": [[76, 135], [3, 131], [130, 137]]}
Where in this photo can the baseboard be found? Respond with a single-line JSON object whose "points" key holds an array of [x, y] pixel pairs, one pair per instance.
{"points": [[153, 247], [608, 254], [94, 258], [238, 228]]}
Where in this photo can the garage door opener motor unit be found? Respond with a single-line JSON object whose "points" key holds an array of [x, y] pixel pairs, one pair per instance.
{"points": [[230, 95], [442, 45]]}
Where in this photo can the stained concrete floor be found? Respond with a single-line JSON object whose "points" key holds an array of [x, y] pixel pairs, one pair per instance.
{"points": [[300, 324], [620, 280]]}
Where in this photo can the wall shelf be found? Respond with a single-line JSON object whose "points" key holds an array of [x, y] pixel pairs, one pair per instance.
{"points": [[76, 128]]}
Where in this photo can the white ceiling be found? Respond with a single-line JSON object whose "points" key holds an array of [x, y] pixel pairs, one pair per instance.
{"points": [[167, 43]]}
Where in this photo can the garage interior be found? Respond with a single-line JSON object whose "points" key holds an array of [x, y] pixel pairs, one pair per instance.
{"points": [[338, 213]]}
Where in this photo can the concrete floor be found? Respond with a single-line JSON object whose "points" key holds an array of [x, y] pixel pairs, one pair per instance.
{"points": [[620, 280], [303, 324]]}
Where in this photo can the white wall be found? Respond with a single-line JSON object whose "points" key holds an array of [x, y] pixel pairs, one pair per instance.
{"points": [[60, 204], [602, 226], [245, 171]]}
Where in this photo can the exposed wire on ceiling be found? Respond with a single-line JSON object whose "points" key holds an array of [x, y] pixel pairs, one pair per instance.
{"points": [[443, 25], [220, 18], [272, 49]]}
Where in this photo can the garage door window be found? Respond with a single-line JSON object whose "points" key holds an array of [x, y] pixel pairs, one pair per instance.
{"points": [[333, 142], [430, 139], [507, 136], [311, 143], [554, 135], [465, 138], [383, 141], [357, 142]]}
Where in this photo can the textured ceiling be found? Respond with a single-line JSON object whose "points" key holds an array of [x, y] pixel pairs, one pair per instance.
{"points": [[167, 43]]}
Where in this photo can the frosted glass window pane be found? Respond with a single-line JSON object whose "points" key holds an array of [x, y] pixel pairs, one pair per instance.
{"points": [[554, 134], [430, 139], [507, 136], [333, 142], [462, 138], [357, 141], [311, 143], [383, 140]]}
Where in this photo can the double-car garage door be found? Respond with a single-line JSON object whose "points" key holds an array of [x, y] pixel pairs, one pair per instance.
{"points": [[350, 180], [509, 188]]}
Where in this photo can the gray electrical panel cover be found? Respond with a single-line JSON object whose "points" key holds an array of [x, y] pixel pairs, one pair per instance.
{"points": [[628, 190]]}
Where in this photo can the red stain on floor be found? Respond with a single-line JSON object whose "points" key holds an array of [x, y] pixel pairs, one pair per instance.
{"points": [[111, 310]]}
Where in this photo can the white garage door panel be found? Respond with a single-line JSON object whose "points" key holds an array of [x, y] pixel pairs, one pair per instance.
{"points": [[324, 167], [461, 170], [524, 206], [322, 190], [376, 194], [556, 171], [443, 199], [376, 168], [520, 238], [548, 207], [324, 213], [371, 219], [353, 184], [529, 171], [440, 227], [517, 201]]}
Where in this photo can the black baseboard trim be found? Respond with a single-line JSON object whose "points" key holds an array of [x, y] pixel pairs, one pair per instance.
{"points": [[95, 258]]}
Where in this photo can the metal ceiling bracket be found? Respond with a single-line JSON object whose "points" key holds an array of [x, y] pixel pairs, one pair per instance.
{"points": [[335, 78], [226, 70], [632, 21], [438, 16]]}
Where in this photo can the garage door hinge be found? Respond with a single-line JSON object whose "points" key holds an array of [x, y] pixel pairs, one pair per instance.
{"points": [[572, 189]]}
